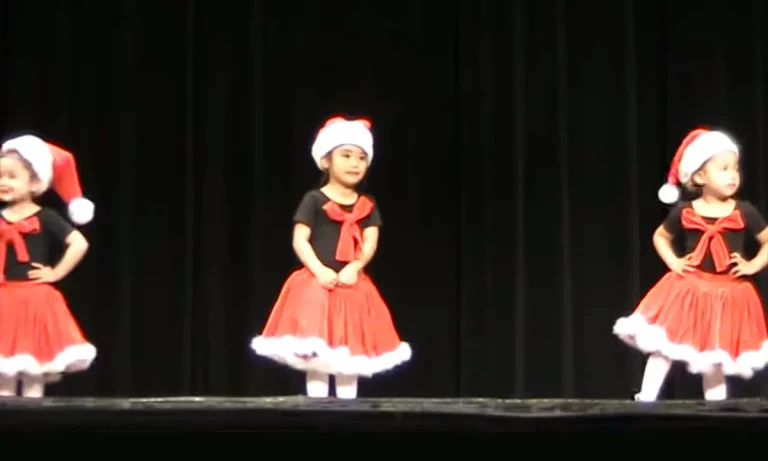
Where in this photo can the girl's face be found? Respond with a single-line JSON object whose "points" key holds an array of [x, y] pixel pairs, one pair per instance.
{"points": [[16, 179], [721, 175], [346, 165]]}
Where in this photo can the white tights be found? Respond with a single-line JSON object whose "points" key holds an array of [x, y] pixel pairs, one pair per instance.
{"points": [[31, 386], [656, 370], [318, 385]]}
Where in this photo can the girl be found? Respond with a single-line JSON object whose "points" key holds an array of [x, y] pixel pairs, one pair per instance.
{"points": [[39, 339], [329, 318], [703, 312]]}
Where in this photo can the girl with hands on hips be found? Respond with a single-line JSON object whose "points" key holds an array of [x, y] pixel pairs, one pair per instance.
{"points": [[705, 312], [40, 340]]}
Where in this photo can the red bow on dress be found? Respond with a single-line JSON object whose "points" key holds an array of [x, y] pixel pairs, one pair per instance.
{"points": [[712, 238], [10, 233], [351, 236]]}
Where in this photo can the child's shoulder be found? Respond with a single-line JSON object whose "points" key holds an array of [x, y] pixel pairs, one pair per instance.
{"points": [[52, 217], [45, 217], [48, 212], [741, 203], [314, 195], [748, 209], [367, 196], [679, 206]]}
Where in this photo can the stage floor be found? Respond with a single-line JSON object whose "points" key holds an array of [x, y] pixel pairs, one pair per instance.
{"points": [[300, 414]]}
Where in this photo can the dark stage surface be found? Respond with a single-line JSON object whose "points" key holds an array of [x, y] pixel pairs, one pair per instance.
{"points": [[299, 414]]}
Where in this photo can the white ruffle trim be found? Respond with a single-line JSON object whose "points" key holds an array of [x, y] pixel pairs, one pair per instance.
{"points": [[638, 333], [70, 360], [289, 350]]}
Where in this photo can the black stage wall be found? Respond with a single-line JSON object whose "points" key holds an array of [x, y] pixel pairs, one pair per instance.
{"points": [[520, 146]]}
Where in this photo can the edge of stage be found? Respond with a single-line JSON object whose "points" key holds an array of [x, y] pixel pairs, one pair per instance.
{"points": [[300, 414]]}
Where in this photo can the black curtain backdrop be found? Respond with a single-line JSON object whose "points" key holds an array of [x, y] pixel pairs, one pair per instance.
{"points": [[520, 146]]}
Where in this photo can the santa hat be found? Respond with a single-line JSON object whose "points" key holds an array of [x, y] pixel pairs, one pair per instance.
{"points": [[699, 146], [56, 168], [339, 131]]}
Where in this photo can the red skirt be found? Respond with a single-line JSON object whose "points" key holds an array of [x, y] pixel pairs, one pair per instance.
{"points": [[344, 331], [705, 320], [38, 334]]}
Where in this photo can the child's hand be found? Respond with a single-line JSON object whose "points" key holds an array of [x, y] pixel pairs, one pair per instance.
{"points": [[741, 266], [681, 265], [43, 274], [348, 276], [327, 277]]}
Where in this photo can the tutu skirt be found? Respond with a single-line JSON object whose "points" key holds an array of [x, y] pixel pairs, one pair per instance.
{"points": [[704, 320], [38, 334], [343, 331]]}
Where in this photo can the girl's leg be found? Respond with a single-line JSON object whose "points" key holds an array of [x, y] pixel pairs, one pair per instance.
{"points": [[346, 386], [656, 370], [8, 387], [32, 386], [714, 386], [317, 384]]}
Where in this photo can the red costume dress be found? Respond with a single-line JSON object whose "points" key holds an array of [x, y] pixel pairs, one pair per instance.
{"points": [[38, 334], [343, 331], [708, 317]]}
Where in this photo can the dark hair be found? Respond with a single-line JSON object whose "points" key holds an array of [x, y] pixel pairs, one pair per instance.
{"points": [[324, 179], [690, 192]]}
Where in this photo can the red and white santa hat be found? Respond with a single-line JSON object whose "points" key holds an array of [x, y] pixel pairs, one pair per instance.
{"points": [[56, 168], [699, 146], [339, 131]]}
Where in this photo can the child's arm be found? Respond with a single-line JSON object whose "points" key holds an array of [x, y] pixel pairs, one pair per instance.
{"points": [[760, 260], [304, 219], [757, 226], [369, 247], [662, 241], [76, 248], [75, 243], [304, 250]]}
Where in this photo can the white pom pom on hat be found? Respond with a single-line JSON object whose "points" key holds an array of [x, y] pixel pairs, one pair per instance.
{"points": [[339, 131], [56, 168], [698, 146], [669, 194]]}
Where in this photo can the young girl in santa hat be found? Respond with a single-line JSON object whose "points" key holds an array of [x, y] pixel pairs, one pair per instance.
{"points": [[39, 338], [704, 311], [329, 318]]}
